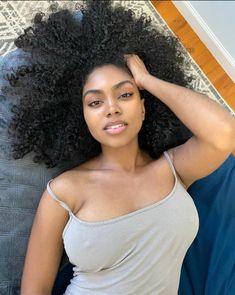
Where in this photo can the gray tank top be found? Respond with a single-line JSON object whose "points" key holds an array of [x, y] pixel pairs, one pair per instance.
{"points": [[139, 253]]}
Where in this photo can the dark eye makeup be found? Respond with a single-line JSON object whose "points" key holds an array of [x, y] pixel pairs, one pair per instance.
{"points": [[126, 95], [97, 102], [94, 103]]}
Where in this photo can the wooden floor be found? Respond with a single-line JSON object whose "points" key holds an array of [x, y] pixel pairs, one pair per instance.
{"points": [[197, 50]]}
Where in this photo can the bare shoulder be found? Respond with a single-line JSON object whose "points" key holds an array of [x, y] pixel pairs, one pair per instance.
{"points": [[161, 166], [69, 186], [170, 153], [196, 159], [161, 162]]}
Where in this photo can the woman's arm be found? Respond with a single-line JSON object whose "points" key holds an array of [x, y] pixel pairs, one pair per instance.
{"points": [[213, 126], [204, 117], [45, 248]]}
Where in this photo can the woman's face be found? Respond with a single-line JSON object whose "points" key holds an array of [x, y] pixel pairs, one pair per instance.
{"points": [[113, 109]]}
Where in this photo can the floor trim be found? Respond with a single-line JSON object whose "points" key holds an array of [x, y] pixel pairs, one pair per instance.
{"points": [[207, 36]]}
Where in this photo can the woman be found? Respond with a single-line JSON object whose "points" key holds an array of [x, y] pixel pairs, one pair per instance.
{"points": [[98, 97]]}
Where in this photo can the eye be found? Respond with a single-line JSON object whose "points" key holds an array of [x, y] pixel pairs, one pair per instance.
{"points": [[126, 95], [94, 103]]}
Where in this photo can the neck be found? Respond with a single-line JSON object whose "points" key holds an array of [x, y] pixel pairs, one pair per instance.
{"points": [[122, 159]]}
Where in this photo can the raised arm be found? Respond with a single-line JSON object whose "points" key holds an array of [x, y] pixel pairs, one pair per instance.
{"points": [[213, 126], [45, 248]]}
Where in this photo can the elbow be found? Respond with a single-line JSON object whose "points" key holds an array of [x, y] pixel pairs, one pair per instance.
{"points": [[226, 141]]}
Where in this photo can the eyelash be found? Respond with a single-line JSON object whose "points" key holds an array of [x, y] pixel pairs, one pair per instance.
{"points": [[124, 95]]}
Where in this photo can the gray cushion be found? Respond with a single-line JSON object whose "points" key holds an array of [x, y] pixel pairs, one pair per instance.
{"points": [[21, 185]]}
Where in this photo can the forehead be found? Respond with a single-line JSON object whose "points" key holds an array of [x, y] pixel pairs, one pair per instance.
{"points": [[107, 75]]}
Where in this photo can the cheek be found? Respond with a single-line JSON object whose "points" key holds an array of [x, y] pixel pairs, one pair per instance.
{"points": [[136, 113], [89, 116], [93, 122], [88, 119]]}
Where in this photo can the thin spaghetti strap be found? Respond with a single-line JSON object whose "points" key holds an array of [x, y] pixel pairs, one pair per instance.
{"points": [[65, 206], [170, 163]]}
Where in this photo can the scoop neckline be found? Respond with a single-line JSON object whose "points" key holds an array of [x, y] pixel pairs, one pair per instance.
{"points": [[127, 215]]}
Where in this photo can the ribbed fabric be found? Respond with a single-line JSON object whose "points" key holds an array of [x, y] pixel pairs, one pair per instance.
{"points": [[139, 253]]}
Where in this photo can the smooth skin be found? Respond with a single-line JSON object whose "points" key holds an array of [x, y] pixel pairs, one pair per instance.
{"points": [[123, 178]]}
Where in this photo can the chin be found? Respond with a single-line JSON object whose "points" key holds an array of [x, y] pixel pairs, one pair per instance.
{"points": [[118, 142]]}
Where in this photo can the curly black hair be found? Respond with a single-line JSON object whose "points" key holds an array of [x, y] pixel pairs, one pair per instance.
{"points": [[48, 118]]}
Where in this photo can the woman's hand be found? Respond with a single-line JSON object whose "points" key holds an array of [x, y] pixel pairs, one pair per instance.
{"points": [[137, 68]]}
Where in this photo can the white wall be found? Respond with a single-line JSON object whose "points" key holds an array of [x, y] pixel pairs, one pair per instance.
{"points": [[214, 23]]}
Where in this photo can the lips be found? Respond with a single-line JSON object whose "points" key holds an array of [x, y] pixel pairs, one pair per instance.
{"points": [[115, 125]]}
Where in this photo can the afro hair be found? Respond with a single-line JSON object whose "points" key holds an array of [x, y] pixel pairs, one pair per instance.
{"points": [[48, 116]]}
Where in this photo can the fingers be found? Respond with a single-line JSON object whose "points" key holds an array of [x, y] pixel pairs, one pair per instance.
{"points": [[135, 60], [137, 68], [132, 56], [127, 58]]}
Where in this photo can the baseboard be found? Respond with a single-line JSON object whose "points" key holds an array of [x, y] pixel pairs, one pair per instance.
{"points": [[207, 37]]}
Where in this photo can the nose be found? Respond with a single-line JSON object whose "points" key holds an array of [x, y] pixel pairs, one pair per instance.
{"points": [[113, 108]]}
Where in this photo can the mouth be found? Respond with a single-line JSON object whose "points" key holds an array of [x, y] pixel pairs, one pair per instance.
{"points": [[115, 129]]}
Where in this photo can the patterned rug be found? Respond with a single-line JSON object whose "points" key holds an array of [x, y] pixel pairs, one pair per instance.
{"points": [[16, 15], [22, 181]]}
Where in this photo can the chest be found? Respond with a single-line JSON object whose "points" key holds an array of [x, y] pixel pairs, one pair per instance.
{"points": [[108, 196], [161, 231]]}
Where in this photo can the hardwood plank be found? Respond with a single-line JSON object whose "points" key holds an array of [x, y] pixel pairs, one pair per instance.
{"points": [[199, 52]]}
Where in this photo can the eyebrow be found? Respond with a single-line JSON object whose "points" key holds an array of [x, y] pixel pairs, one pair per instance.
{"points": [[116, 86]]}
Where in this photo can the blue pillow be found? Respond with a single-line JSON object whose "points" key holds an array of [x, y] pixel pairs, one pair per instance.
{"points": [[209, 265]]}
